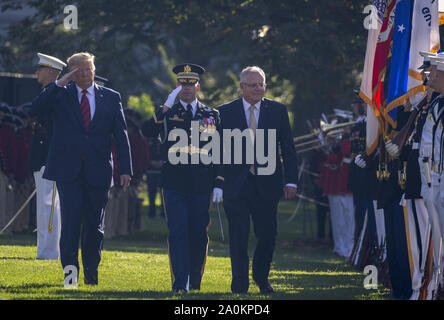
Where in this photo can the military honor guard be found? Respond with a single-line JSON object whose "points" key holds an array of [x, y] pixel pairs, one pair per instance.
{"points": [[187, 185], [434, 187], [360, 183], [86, 119], [47, 198], [415, 160], [415, 213], [247, 190], [389, 194]]}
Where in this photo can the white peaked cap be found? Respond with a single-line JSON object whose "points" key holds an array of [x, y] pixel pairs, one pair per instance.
{"points": [[435, 59], [50, 62], [427, 55]]}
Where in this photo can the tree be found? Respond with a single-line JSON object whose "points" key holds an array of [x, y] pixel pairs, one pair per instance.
{"points": [[312, 51]]}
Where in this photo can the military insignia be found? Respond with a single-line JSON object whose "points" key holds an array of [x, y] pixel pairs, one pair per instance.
{"points": [[207, 125], [187, 69]]}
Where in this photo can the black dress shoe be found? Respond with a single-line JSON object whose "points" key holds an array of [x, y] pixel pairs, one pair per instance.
{"points": [[91, 282], [91, 276], [195, 287], [265, 288], [239, 291]]}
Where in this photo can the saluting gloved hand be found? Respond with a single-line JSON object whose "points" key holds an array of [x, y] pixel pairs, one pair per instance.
{"points": [[392, 149], [217, 195], [172, 97], [360, 162]]}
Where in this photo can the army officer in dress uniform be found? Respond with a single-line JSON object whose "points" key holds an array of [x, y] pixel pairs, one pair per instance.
{"points": [[187, 185], [48, 205]]}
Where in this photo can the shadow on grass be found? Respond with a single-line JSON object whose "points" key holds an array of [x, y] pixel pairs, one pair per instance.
{"points": [[282, 292], [16, 258], [26, 287]]}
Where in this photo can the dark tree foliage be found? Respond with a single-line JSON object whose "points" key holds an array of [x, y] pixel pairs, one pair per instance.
{"points": [[311, 50]]}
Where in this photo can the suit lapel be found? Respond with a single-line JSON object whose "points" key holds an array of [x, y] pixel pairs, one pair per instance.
{"points": [[99, 105], [241, 114], [74, 106], [263, 114]]}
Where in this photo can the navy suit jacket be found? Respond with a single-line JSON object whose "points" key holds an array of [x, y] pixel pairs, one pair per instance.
{"points": [[71, 144], [273, 115]]}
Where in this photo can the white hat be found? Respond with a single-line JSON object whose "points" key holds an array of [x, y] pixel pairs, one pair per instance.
{"points": [[50, 62], [435, 59], [426, 55]]}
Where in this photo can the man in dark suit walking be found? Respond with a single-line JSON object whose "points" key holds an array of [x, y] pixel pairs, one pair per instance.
{"points": [[87, 118], [247, 190]]}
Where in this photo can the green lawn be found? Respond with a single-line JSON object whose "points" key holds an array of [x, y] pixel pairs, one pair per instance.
{"points": [[136, 267]]}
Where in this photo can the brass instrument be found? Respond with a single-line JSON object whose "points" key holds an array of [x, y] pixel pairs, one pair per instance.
{"points": [[306, 136], [326, 129]]}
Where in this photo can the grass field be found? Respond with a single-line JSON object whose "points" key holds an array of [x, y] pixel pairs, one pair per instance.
{"points": [[137, 267]]}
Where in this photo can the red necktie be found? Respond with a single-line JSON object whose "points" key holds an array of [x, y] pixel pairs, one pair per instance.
{"points": [[86, 112]]}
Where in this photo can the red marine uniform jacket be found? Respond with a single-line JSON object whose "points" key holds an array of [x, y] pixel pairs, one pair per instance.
{"points": [[334, 170]]}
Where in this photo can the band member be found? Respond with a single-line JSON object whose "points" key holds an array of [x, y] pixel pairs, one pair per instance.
{"points": [[360, 182]]}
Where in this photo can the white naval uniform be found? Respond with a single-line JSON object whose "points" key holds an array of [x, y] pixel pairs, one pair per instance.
{"points": [[380, 225], [417, 223], [47, 203], [342, 223], [430, 187]]}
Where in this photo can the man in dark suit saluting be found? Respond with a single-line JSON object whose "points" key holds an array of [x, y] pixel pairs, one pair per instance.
{"points": [[87, 118], [247, 188]]}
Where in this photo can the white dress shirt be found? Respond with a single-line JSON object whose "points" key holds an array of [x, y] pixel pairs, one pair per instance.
{"points": [[247, 111], [193, 104], [256, 114], [90, 94]]}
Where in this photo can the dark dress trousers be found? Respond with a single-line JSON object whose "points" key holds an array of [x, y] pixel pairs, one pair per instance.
{"points": [[257, 196], [80, 162]]}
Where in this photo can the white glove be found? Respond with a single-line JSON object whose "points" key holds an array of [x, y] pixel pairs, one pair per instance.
{"points": [[172, 97], [360, 162], [392, 149], [217, 195]]}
